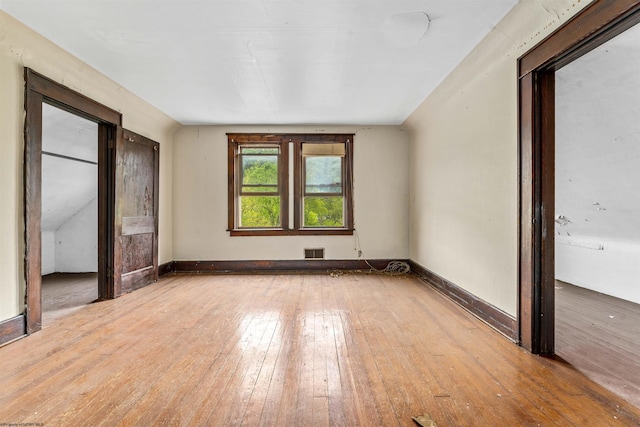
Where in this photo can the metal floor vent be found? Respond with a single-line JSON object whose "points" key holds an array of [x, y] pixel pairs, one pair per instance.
{"points": [[317, 253]]}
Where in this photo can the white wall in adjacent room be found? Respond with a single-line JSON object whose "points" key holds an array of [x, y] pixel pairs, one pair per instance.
{"points": [[598, 169], [77, 242], [48, 263], [607, 266]]}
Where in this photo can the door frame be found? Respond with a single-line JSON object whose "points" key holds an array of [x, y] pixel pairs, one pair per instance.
{"points": [[597, 23], [39, 90]]}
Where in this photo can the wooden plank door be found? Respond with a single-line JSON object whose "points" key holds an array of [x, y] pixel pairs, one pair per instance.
{"points": [[136, 212]]}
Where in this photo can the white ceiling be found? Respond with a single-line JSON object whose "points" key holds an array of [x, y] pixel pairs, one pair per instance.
{"points": [[269, 61], [67, 185]]}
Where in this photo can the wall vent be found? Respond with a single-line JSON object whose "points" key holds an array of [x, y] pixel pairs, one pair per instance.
{"points": [[317, 253]]}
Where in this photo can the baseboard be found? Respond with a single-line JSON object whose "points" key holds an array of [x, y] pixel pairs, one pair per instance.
{"points": [[493, 316], [166, 268], [254, 267], [12, 329]]}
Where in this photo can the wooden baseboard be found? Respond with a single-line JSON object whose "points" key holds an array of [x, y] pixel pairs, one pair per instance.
{"points": [[12, 329], [254, 267], [164, 269], [493, 316]]}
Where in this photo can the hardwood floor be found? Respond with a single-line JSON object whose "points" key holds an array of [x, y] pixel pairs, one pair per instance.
{"points": [[289, 350], [63, 293], [600, 336]]}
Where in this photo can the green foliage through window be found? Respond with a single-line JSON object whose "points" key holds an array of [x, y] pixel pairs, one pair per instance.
{"points": [[272, 176], [260, 174], [260, 211], [323, 211]]}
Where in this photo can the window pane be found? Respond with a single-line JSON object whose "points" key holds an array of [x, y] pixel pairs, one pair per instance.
{"points": [[259, 211], [323, 174], [323, 212], [260, 170], [260, 150], [259, 189]]}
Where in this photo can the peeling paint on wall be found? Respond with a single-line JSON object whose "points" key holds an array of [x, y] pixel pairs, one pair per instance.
{"points": [[562, 221]]}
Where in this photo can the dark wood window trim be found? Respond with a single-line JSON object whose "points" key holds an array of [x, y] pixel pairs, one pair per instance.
{"points": [[596, 24], [234, 144], [298, 189], [235, 139]]}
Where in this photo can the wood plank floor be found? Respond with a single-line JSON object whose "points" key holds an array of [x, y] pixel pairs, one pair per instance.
{"points": [[289, 350], [63, 293], [600, 336]]}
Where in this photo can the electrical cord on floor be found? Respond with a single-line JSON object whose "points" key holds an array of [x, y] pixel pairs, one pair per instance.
{"points": [[397, 268], [393, 268]]}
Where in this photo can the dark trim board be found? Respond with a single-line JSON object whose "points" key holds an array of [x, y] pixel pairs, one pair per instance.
{"points": [[493, 316], [166, 268], [252, 267], [597, 23], [501, 321], [12, 329]]}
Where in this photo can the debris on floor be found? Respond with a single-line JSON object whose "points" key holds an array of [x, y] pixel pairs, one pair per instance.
{"points": [[424, 421]]}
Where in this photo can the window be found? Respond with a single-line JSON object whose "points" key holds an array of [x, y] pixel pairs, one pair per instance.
{"points": [[322, 175], [259, 196]]}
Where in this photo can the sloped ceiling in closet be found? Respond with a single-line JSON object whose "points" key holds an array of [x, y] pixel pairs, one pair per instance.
{"points": [[69, 180]]}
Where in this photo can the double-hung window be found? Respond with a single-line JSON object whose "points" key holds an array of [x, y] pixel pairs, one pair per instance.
{"points": [[320, 173], [259, 196], [322, 176], [258, 185]]}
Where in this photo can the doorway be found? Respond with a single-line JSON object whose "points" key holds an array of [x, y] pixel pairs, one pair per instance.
{"points": [[69, 223], [596, 24], [41, 94], [545, 212], [127, 194], [597, 214]]}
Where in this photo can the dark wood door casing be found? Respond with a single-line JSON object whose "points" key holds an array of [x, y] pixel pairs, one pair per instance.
{"points": [[39, 89], [597, 23]]}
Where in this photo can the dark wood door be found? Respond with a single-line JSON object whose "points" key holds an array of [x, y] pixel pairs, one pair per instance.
{"points": [[136, 212]]}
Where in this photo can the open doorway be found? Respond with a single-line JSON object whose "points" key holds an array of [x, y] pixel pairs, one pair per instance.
{"points": [[597, 214], [127, 195], [598, 218], [40, 94], [69, 223]]}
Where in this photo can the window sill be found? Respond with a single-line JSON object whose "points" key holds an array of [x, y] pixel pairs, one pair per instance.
{"points": [[302, 232]]}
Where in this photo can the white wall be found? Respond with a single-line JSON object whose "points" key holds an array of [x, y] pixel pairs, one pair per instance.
{"points": [[598, 169], [464, 160], [73, 247], [77, 242], [48, 263], [607, 266], [21, 47], [200, 198]]}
